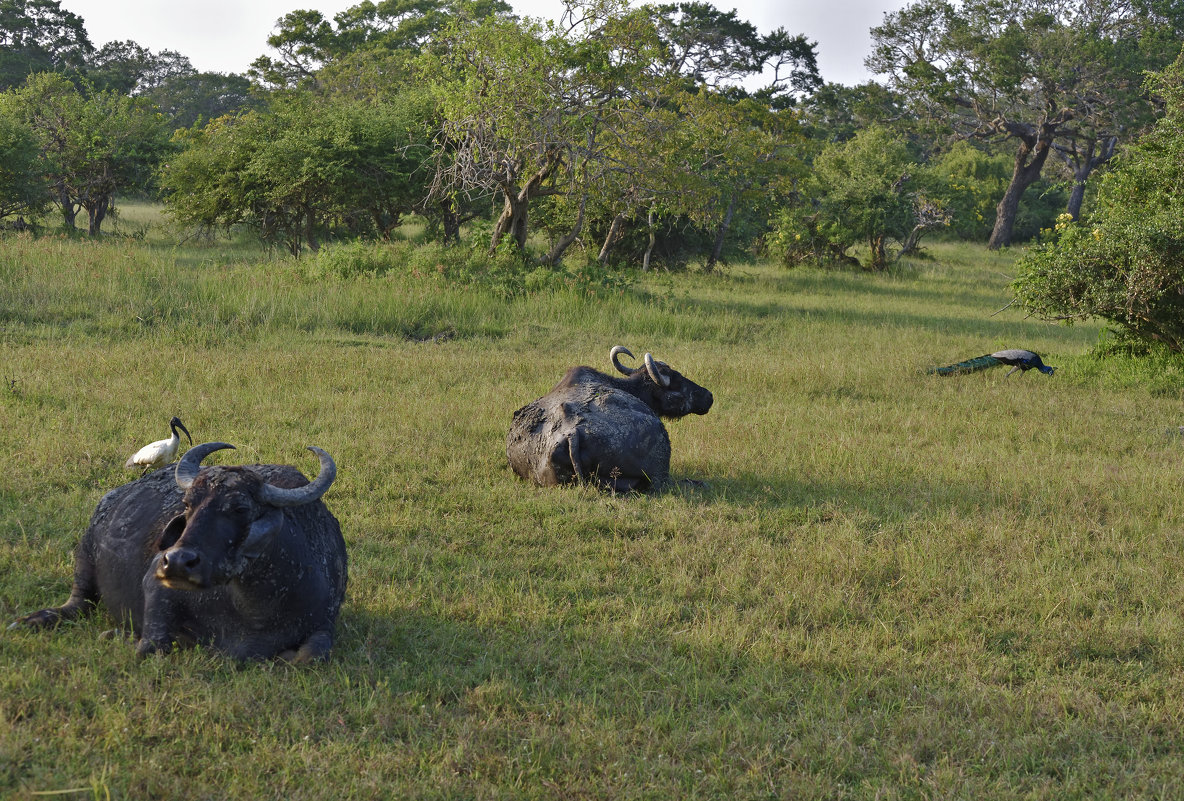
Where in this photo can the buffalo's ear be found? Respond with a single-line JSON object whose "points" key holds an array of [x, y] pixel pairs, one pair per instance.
{"points": [[260, 534], [172, 533]]}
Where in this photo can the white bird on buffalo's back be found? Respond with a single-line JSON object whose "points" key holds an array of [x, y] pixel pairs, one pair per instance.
{"points": [[159, 453]]}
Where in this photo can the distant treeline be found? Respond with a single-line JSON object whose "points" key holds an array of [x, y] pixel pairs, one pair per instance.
{"points": [[659, 135]]}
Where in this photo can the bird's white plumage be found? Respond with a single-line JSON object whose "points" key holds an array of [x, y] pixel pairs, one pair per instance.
{"points": [[155, 454], [159, 453]]}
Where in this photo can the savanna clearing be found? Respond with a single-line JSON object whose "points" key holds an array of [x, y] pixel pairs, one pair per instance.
{"points": [[895, 585]]}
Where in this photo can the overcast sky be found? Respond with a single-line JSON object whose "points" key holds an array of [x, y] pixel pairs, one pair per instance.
{"points": [[227, 35]]}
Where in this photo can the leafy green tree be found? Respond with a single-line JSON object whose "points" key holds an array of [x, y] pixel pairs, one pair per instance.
{"points": [[39, 36], [611, 116], [131, 69], [90, 145], [1125, 263], [730, 83], [718, 50], [835, 113], [1055, 77], [306, 43], [302, 171], [738, 157], [857, 191], [529, 111], [968, 180], [23, 189], [187, 99]]}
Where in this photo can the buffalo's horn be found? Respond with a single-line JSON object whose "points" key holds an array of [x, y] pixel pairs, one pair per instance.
{"points": [[652, 368], [191, 462], [295, 496], [617, 351]]}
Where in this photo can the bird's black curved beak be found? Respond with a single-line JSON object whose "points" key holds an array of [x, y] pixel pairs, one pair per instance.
{"points": [[176, 423]]}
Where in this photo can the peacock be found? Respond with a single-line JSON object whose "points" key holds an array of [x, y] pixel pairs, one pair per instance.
{"points": [[1019, 359]]}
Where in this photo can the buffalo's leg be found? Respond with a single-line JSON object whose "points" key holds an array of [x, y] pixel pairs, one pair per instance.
{"points": [[84, 596], [161, 618], [573, 453], [627, 484], [315, 649], [79, 605]]}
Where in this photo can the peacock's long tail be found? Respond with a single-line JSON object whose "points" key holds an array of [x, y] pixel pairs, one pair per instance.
{"points": [[968, 366]]}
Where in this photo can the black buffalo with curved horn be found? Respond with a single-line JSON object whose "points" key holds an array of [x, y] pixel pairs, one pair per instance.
{"points": [[597, 428], [245, 559]]}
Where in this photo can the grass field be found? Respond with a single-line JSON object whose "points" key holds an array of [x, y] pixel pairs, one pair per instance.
{"points": [[894, 586]]}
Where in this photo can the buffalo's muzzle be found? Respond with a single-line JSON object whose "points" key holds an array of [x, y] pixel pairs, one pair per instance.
{"points": [[180, 567]]}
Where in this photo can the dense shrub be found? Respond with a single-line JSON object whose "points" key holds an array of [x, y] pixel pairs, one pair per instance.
{"points": [[856, 193], [302, 172], [1125, 263], [23, 188]]}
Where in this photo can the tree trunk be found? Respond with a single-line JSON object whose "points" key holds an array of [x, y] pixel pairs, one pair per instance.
{"points": [[613, 231], [717, 248], [385, 223], [1029, 161], [1083, 167], [913, 240], [69, 210], [879, 258], [96, 212], [649, 221], [450, 221], [513, 219], [310, 231], [565, 241]]}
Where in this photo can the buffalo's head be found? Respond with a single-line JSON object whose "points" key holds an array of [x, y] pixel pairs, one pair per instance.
{"points": [[669, 392], [231, 515]]}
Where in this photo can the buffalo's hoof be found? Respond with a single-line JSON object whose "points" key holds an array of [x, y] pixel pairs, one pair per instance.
{"points": [[146, 648], [44, 619], [315, 649]]}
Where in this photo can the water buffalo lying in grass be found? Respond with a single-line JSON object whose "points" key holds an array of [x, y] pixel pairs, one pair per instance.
{"points": [[598, 428], [245, 559]]}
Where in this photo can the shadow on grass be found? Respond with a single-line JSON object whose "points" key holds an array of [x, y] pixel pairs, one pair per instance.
{"points": [[985, 327], [888, 498]]}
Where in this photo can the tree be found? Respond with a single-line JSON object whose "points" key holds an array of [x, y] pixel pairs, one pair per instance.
{"points": [[745, 161], [613, 113], [90, 145], [745, 145], [22, 186], [39, 36], [306, 43], [302, 170], [131, 69], [1054, 76], [528, 111], [857, 191], [834, 112], [197, 97], [719, 50], [1125, 263], [968, 181]]}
